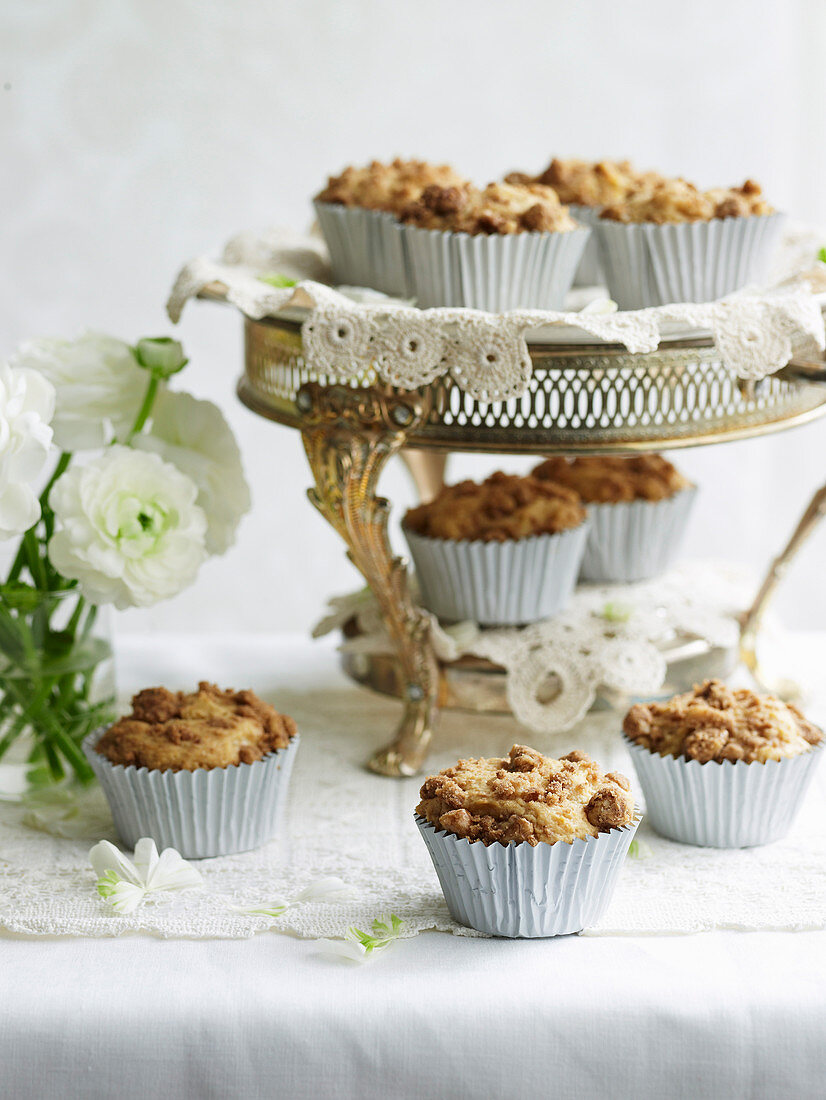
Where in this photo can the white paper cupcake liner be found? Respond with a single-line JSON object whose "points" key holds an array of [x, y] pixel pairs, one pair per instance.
{"points": [[635, 540], [589, 272], [497, 583], [725, 805], [519, 890], [493, 272], [365, 247], [202, 813], [654, 265]]}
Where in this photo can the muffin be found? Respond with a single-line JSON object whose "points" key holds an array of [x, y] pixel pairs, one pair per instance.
{"points": [[671, 242], [527, 845], [586, 187], [501, 552], [638, 509], [205, 773], [722, 767], [357, 213], [507, 246]]}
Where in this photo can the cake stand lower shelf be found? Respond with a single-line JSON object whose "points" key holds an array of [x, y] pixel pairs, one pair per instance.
{"points": [[478, 686]]}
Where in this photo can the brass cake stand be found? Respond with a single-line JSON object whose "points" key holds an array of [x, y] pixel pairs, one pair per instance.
{"points": [[593, 398]]}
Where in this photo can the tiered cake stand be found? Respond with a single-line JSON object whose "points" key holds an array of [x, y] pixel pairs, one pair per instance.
{"points": [[582, 399]]}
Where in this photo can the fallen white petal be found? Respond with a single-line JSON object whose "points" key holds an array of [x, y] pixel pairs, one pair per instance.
{"points": [[345, 949], [125, 897], [106, 857], [146, 858], [172, 872], [326, 889]]}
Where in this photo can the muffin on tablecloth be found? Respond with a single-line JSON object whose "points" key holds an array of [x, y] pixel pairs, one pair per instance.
{"points": [[357, 212], [722, 767], [501, 552], [672, 242], [205, 773], [527, 845], [638, 509], [507, 246], [586, 187]]}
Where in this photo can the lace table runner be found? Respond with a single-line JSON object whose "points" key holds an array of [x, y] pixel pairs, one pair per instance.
{"points": [[346, 822]]}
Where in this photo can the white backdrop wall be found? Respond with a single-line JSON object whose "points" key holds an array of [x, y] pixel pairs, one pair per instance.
{"points": [[139, 133]]}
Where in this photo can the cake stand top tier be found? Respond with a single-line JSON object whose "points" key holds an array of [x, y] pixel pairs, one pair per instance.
{"points": [[521, 381]]}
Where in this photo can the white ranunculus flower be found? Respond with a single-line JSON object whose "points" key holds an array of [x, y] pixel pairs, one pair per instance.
{"points": [[26, 407], [128, 528], [194, 436], [98, 384]]}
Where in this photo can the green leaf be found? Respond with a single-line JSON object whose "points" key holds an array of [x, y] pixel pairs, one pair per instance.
{"points": [[822, 255], [281, 282], [160, 355], [17, 596], [633, 849], [614, 612]]}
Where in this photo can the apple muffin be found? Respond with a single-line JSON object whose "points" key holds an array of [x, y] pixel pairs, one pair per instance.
{"points": [[387, 187]]}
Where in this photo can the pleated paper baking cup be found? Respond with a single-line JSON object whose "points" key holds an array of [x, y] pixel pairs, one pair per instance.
{"points": [[635, 540], [653, 265], [493, 272], [523, 891], [722, 805], [497, 583], [365, 247], [201, 813], [589, 272]]}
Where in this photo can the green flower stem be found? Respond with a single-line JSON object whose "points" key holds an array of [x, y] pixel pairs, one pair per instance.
{"points": [[23, 552], [146, 408]]}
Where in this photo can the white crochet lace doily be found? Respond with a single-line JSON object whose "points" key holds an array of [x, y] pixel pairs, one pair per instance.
{"points": [[610, 639], [755, 331], [347, 822]]}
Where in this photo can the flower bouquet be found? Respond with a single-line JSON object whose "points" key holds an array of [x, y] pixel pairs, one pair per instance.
{"points": [[146, 483]]}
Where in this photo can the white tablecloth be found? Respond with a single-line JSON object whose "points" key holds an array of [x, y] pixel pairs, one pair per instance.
{"points": [[721, 1014]]}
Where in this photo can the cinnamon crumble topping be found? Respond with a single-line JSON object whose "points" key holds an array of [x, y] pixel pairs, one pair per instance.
{"points": [[502, 507], [501, 208], [715, 722], [603, 479], [210, 728], [526, 797], [388, 187]]}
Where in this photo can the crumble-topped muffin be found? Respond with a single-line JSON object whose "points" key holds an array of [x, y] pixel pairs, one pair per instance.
{"points": [[501, 208], [674, 201], [504, 506], [210, 728], [527, 797], [589, 183], [715, 722], [609, 479], [387, 187]]}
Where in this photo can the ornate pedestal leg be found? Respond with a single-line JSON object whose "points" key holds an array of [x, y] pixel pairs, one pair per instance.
{"points": [[752, 619], [349, 434]]}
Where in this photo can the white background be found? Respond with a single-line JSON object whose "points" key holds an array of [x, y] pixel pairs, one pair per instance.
{"points": [[139, 133]]}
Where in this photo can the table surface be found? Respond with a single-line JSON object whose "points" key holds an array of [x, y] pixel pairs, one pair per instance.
{"points": [[721, 1014]]}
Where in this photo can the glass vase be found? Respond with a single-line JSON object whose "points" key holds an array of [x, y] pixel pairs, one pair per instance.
{"points": [[57, 684]]}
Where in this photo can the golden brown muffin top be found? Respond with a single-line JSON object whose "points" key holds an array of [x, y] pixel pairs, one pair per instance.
{"points": [[588, 183], [714, 722], [527, 797], [609, 479], [672, 201], [388, 187], [501, 208], [502, 507], [210, 728]]}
